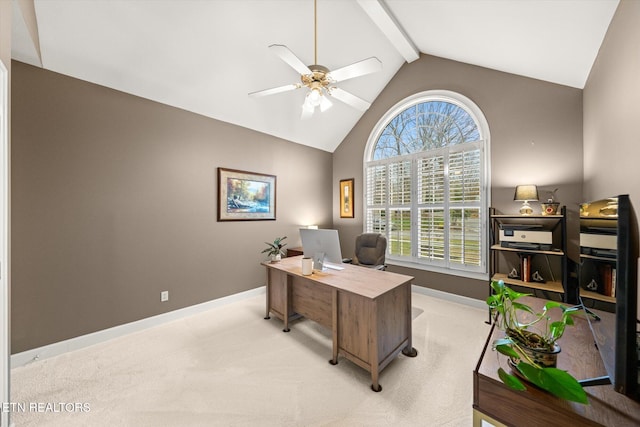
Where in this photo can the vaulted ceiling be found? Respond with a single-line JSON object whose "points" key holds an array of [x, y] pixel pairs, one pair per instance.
{"points": [[205, 56]]}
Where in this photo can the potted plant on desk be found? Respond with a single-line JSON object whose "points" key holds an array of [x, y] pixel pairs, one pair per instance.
{"points": [[532, 352], [274, 250]]}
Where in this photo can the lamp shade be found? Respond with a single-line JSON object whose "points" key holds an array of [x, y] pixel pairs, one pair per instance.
{"points": [[525, 193]]}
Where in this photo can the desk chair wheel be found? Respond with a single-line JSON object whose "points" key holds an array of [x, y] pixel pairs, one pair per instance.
{"points": [[410, 353], [378, 390], [286, 330]]}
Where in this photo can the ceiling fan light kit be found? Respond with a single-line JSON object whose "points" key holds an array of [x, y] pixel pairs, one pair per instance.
{"points": [[319, 79]]}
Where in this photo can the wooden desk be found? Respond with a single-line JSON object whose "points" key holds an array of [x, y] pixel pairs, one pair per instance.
{"points": [[368, 311], [493, 401]]}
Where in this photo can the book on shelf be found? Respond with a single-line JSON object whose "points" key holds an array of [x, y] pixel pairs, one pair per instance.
{"points": [[613, 283], [525, 268], [606, 277]]}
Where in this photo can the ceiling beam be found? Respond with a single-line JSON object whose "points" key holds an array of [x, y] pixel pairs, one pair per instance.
{"points": [[382, 17], [28, 11]]}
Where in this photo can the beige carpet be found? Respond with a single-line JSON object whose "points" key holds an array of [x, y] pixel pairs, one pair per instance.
{"points": [[230, 367]]}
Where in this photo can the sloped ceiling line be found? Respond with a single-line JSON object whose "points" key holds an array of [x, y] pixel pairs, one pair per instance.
{"points": [[207, 56]]}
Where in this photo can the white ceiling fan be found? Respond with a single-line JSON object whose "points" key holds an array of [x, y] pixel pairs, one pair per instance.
{"points": [[320, 80]]}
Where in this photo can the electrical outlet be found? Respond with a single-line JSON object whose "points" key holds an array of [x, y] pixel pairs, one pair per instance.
{"points": [[164, 296]]}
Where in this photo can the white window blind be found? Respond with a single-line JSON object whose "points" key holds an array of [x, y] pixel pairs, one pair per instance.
{"points": [[426, 188]]}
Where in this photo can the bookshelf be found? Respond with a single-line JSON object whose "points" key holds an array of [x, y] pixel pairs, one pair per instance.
{"points": [[599, 241], [541, 257]]}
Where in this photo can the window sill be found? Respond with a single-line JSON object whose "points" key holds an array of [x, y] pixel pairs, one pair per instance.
{"points": [[441, 270]]}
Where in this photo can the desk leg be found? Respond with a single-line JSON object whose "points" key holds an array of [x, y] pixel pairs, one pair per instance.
{"points": [[287, 287], [334, 322], [409, 351], [373, 349], [266, 316]]}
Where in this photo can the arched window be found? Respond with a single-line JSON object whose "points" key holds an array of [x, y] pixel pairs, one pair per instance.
{"points": [[426, 185]]}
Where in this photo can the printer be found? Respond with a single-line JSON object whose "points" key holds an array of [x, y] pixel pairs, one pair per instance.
{"points": [[526, 236], [599, 241]]}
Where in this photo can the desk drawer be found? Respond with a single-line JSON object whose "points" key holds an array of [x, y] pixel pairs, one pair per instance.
{"points": [[312, 300]]}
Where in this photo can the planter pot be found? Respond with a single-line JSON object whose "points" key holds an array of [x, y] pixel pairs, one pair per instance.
{"points": [[276, 258], [541, 356], [547, 358], [549, 208]]}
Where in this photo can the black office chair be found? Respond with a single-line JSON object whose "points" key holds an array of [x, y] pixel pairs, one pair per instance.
{"points": [[370, 251]]}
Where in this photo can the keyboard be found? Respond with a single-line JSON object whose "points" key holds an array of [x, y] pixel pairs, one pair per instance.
{"points": [[333, 266]]}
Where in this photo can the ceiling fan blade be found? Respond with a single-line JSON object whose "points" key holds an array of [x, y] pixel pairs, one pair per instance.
{"points": [[349, 99], [366, 66], [274, 90], [287, 56]]}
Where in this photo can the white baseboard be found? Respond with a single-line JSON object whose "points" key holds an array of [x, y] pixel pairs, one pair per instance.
{"points": [[55, 349], [476, 303]]}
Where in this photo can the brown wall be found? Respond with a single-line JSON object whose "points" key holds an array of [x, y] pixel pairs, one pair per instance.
{"points": [[612, 112], [536, 137], [114, 201], [114, 195]]}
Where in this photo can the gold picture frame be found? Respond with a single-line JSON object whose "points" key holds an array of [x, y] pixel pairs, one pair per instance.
{"points": [[246, 196], [346, 198]]}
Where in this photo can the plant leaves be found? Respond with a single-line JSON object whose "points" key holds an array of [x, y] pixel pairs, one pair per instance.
{"points": [[553, 304], [556, 329], [520, 306], [556, 381], [492, 300], [507, 350], [502, 341], [531, 373], [498, 286], [513, 295], [510, 380]]}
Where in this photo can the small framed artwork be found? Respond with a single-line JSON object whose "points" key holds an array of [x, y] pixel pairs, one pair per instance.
{"points": [[346, 198], [246, 196]]}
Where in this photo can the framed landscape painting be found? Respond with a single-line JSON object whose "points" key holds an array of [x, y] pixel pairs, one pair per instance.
{"points": [[346, 198], [246, 196]]}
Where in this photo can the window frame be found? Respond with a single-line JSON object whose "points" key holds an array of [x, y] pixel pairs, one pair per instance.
{"points": [[480, 272]]}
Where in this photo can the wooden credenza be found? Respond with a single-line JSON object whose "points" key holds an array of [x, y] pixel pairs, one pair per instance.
{"points": [[368, 311], [496, 404], [291, 252]]}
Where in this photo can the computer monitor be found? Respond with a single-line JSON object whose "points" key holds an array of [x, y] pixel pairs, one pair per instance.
{"points": [[315, 242]]}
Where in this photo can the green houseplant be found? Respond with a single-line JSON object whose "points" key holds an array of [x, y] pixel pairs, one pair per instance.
{"points": [[274, 250], [532, 345]]}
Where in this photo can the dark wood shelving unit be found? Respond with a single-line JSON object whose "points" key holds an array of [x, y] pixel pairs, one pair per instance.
{"points": [[589, 263], [557, 225]]}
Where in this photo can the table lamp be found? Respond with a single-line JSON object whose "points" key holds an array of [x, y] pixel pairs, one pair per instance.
{"points": [[525, 194]]}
